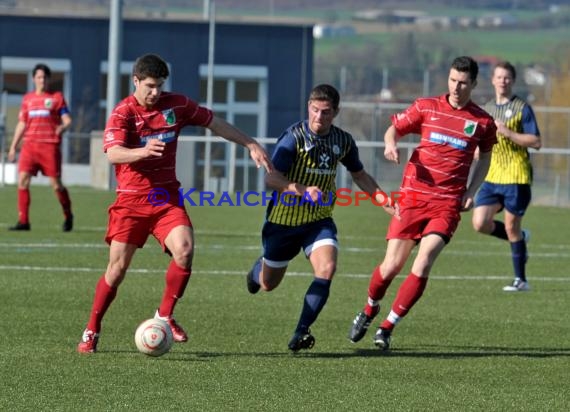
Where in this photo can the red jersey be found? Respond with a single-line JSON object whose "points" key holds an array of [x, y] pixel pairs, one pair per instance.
{"points": [[42, 115], [440, 164], [132, 125]]}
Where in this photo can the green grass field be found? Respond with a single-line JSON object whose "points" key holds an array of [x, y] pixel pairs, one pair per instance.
{"points": [[466, 346]]}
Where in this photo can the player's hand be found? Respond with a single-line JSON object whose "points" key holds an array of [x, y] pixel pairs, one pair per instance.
{"points": [[393, 208], [12, 155], [467, 203], [260, 157], [476, 153], [392, 153], [502, 129], [315, 193], [154, 148]]}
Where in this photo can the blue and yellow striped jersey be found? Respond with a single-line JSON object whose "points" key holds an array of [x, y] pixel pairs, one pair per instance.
{"points": [[310, 160], [510, 163]]}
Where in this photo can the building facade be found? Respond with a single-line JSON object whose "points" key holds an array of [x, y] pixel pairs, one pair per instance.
{"points": [[262, 73]]}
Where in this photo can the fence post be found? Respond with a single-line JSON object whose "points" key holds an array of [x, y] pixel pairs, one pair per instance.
{"points": [[3, 109]]}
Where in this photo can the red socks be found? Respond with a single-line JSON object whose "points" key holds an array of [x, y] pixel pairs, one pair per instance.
{"points": [[104, 295], [376, 291], [65, 201], [24, 201], [176, 280], [378, 285], [409, 293]]}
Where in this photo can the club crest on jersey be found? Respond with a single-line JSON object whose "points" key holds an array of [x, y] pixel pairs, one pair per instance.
{"points": [[508, 113], [169, 117], [336, 150], [469, 128], [48, 103], [324, 160]]}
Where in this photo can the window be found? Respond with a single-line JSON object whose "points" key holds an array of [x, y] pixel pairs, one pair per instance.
{"points": [[240, 96]]}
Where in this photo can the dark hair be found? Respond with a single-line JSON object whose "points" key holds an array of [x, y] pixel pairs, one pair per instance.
{"points": [[42, 67], [150, 65], [466, 64], [325, 92], [507, 66]]}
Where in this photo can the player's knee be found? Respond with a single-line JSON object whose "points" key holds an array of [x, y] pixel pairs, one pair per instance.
{"points": [[513, 231], [478, 224], [24, 182], [270, 278], [326, 270], [268, 286], [183, 260], [115, 274], [183, 254], [389, 270]]}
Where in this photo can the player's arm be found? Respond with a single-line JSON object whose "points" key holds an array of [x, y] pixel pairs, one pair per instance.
{"points": [[119, 154], [522, 139], [367, 183], [277, 181], [18, 135], [223, 129], [477, 177], [65, 124], [391, 151]]}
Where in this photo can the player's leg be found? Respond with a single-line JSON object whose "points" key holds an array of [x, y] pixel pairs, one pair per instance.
{"points": [[120, 256], [397, 253], [174, 231], [280, 245], [412, 287], [323, 259], [321, 248], [27, 167], [50, 164], [517, 200], [272, 273], [488, 202], [180, 243], [24, 201], [65, 201]]}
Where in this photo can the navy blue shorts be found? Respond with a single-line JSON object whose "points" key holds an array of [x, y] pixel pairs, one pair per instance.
{"points": [[282, 243], [513, 197]]}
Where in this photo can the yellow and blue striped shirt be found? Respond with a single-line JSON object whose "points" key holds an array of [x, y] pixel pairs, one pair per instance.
{"points": [[310, 160], [510, 162]]}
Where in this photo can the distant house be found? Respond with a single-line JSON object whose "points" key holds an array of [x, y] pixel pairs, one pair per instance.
{"points": [[497, 20], [388, 16], [439, 22], [321, 31]]}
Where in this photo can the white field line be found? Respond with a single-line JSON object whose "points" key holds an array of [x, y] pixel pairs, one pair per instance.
{"points": [[242, 273], [554, 251]]}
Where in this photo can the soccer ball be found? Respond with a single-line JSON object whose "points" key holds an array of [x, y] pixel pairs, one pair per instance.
{"points": [[153, 337]]}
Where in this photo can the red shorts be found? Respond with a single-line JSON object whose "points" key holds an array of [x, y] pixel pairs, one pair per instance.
{"points": [[132, 218], [43, 157], [420, 218]]}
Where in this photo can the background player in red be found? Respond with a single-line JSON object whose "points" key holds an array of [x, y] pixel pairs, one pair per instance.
{"points": [[43, 118], [436, 176], [140, 139]]}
